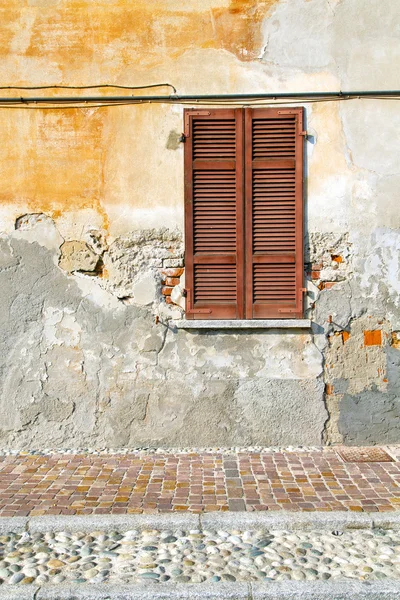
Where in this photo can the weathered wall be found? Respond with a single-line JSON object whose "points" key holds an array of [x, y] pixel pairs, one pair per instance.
{"points": [[91, 245]]}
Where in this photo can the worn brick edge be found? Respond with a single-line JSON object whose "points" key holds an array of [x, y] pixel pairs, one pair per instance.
{"points": [[283, 520], [311, 590]]}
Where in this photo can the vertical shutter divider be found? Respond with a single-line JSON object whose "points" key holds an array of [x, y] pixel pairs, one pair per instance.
{"points": [[240, 213], [248, 116], [188, 199], [299, 212]]}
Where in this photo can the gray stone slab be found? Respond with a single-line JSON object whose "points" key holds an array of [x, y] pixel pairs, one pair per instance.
{"points": [[113, 522], [170, 591], [13, 524], [330, 521], [389, 520], [18, 592], [286, 520], [244, 324], [310, 590], [283, 520], [322, 590]]}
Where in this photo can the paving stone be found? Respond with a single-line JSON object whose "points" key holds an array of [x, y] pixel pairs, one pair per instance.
{"points": [[100, 482]]}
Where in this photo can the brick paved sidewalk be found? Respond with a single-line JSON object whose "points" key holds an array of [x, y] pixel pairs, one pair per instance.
{"points": [[84, 484]]}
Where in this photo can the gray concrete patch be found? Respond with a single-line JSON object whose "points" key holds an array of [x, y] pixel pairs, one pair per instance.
{"points": [[281, 410], [368, 416]]}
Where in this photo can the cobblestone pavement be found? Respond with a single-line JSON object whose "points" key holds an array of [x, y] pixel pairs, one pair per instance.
{"points": [[198, 556], [196, 481]]}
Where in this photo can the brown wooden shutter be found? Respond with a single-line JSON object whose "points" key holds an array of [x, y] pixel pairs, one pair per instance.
{"points": [[214, 219], [274, 212]]}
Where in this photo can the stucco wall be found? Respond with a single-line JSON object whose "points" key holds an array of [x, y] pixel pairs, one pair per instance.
{"points": [[91, 214]]}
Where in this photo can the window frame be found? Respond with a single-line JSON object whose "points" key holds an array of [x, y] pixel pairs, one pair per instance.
{"points": [[244, 206]]}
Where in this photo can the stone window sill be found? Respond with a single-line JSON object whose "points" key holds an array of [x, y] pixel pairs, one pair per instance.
{"points": [[244, 324]]}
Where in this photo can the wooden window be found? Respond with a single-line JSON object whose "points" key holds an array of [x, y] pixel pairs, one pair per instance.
{"points": [[244, 213]]}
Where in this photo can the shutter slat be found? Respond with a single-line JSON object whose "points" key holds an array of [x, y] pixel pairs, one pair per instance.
{"points": [[214, 139], [268, 140]]}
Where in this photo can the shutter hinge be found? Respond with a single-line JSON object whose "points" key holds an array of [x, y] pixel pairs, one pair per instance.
{"points": [[193, 311], [199, 113], [182, 139], [304, 290], [304, 133]]}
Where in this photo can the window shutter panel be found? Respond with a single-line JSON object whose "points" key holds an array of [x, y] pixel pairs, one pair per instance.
{"points": [[274, 143], [214, 253]]}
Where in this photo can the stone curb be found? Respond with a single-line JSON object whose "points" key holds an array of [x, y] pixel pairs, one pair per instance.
{"points": [[243, 521], [285, 520], [322, 590], [312, 590], [15, 524], [121, 523]]}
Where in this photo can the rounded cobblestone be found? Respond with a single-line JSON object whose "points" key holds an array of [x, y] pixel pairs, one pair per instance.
{"points": [[195, 556]]}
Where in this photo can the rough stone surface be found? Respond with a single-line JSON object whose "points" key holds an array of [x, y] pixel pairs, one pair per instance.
{"points": [[198, 556], [84, 371], [77, 256]]}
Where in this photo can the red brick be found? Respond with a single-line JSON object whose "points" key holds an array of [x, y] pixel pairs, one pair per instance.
{"points": [[345, 336], [329, 284], [373, 338], [166, 291], [173, 272], [315, 274], [172, 281]]}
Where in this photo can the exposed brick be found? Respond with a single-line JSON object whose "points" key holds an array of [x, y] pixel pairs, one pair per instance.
{"points": [[166, 291], [172, 281], [337, 258], [395, 340], [168, 300], [329, 284], [173, 272], [315, 274], [329, 389], [373, 338], [345, 336]]}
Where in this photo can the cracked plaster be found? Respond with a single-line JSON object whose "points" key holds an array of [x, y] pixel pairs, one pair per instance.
{"points": [[111, 376]]}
